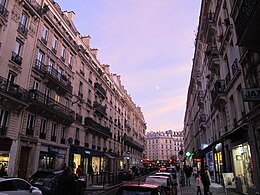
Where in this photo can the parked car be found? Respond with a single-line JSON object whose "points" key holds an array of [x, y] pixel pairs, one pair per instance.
{"points": [[142, 188], [173, 181], [164, 181], [126, 174], [46, 181], [12, 185], [173, 171]]}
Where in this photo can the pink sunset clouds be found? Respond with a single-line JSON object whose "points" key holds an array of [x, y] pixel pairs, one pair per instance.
{"points": [[150, 43]]}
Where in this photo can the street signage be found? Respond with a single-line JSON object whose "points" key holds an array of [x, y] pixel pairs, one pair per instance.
{"points": [[252, 94]]}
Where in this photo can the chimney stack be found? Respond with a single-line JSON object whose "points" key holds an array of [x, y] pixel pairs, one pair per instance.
{"points": [[86, 40], [94, 52], [70, 15]]}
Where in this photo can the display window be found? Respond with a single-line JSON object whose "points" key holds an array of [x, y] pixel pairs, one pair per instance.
{"points": [[76, 161], [4, 160], [218, 166], [46, 161], [96, 163], [243, 166]]}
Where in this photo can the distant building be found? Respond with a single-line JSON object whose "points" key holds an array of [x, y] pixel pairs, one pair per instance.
{"points": [[163, 145]]}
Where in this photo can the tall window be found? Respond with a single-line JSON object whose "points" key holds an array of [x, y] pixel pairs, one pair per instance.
{"points": [[53, 130], [22, 28], [45, 34], [77, 133], [54, 44], [47, 95], [43, 125], [63, 132], [62, 55], [3, 121], [17, 48], [70, 60], [30, 121], [60, 72], [39, 61]]}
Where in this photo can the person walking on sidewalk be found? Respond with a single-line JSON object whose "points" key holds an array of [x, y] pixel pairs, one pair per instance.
{"points": [[206, 181], [198, 183], [188, 172]]}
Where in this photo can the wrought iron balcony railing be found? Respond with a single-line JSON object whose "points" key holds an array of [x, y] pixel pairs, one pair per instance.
{"points": [[16, 58], [101, 91], [23, 29], [54, 75], [13, 90], [130, 141], [218, 89], [101, 110], [93, 125], [42, 135], [3, 11], [30, 132]]}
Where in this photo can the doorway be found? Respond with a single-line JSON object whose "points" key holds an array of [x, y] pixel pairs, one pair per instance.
{"points": [[23, 164]]}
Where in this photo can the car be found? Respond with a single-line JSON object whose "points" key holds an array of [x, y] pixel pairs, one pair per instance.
{"points": [[46, 181], [126, 174], [173, 171], [141, 188], [174, 182], [14, 185], [164, 181]]}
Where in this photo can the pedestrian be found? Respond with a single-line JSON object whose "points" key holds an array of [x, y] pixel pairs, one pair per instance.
{"points": [[188, 172], [90, 172], [206, 180], [79, 171], [3, 171], [66, 183], [198, 183]]}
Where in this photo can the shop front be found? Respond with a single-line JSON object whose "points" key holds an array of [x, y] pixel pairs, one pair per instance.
{"points": [[5, 145], [218, 163], [86, 157], [243, 167]]}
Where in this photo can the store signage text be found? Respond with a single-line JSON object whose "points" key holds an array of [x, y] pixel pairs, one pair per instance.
{"points": [[252, 94]]}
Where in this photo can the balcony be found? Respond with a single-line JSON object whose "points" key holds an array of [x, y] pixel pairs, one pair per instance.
{"points": [[33, 7], [49, 108], [16, 58], [4, 12], [89, 103], [131, 142], [247, 24], [213, 59], [42, 135], [53, 78], [127, 126], [92, 125], [44, 41], [99, 109], [54, 50], [3, 131], [217, 94], [100, 90], [209, 26], [22, 29]]}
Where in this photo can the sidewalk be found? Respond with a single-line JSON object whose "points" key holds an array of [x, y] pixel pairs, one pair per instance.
{"points": [[214, 188]]}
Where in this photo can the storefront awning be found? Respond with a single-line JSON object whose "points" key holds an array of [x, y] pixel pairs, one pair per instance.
{"points": [[109, 156]]}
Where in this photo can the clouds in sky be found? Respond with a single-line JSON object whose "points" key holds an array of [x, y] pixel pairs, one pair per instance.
{"points": [[149, 43]]}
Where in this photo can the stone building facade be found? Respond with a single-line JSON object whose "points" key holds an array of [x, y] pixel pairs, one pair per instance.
{"points": [[58, 103], [163, 146], [221, 125]]}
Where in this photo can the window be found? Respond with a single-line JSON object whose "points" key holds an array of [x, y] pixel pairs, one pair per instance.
{"points": [[30, 125], [43, 125], [44, 34], [36, 85], [62, 55], [54, 44], [39, 61], [17, 51], [22, 24], [47, 95], [60, 72], [70, 60], [3, 121], [77, 133], [53, 129], [51, 66], [63, 132], [80, 89]]}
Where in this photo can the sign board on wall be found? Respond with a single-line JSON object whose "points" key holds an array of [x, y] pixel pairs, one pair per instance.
{"points": [[252, 94]]}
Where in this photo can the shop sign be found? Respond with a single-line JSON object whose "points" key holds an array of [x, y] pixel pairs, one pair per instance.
{"points": [[53, 150], [252, 94], [61, 156]]}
